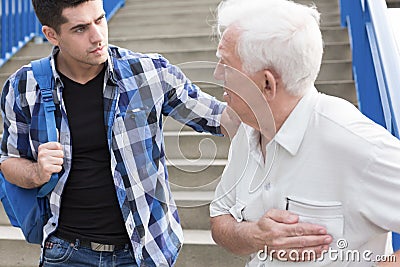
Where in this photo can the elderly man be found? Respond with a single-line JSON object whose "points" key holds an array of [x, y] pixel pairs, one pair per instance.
{"points": [[326, 162]]}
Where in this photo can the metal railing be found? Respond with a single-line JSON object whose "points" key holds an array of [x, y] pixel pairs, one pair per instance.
{"points": [[112, 6], [19, 24], [376, 64]]}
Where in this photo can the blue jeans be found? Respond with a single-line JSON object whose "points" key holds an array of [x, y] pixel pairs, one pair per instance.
{"points": [[60, 253]]}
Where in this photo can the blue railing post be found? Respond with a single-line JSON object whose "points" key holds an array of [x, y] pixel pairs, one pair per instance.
{"points": [[17, 16], [112, 6], [4, 14], [369, 100], [11, 35]]}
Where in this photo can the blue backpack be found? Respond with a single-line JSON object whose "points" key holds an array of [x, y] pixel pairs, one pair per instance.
{"points": [[29, 209]]}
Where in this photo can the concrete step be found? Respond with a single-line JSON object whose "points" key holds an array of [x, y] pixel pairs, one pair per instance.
{"points": [[3, 217], [153, 43], [162, 4], [344, 89], [199, 250], [336, 69], [179, 18], [14, 251], [193, 145], [125, 29], [393, 3], [150, 7], [181, 3], [198, 245], [193, 208], [148, 41], [195, 175], [173, 16], [323, 6]]}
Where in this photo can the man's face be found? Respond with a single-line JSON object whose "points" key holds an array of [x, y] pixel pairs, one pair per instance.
{"points": [[83, 40], [241, 91]]}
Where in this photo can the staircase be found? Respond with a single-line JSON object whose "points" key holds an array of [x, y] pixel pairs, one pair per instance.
{"points": [[180, 30]]}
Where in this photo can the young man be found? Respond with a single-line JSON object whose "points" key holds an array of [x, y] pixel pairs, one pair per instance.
{"points": [[327, 162], [113, 203]]}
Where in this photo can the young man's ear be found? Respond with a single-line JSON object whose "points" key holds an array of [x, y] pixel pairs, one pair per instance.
{"points": [[51, 35], [269, 85]]}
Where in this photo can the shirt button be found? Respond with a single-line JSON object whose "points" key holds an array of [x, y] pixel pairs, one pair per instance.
{"points": [[267, 186]]}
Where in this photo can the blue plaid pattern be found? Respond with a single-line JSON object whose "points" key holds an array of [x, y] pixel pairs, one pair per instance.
{"points": [[138, 90]]}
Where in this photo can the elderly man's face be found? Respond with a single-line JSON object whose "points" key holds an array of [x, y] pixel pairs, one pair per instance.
{"points": [[241, 92]]}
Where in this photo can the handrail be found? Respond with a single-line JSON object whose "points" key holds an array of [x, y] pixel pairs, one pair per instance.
{"points": [[112, 6], [376, 60], [376, 64], [390, 58], [19, 24]]}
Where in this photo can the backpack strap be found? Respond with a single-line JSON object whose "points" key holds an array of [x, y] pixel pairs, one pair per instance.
{"points": [[44, 77]]}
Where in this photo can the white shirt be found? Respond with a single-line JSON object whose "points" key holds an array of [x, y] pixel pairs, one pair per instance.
{"points": [[329, 164]]}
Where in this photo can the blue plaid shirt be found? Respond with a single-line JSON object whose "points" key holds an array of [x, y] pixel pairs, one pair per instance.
{"points": [[138, 90]]}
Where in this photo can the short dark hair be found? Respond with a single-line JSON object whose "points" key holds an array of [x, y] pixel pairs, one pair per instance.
{"points": [[49, 11]]}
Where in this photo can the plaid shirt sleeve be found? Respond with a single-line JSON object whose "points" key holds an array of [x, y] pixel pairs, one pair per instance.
{"points": [[16, 118], [185, 102]]}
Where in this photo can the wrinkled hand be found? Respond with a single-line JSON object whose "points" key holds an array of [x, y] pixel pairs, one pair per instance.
{"points": [[281, 233], [50, 160]]}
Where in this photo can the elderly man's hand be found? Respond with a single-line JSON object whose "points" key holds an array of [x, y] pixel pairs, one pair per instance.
{"points": [[277, 231], [285, 238]]}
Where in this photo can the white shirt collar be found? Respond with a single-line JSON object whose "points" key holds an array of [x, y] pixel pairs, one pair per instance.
{"points": [[291, 134]]}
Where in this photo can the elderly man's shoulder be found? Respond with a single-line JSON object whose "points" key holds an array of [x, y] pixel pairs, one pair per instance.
{"points": [[340, 120], [337, 109]]}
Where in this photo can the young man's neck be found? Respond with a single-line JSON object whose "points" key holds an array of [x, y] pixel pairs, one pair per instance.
{"points": [[80, 73]]}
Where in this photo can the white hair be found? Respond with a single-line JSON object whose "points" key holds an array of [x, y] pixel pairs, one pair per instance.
{"points": [[276, 34]]}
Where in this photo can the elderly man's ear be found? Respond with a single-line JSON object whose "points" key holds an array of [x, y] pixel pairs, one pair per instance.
{"points": [[270, 85]]}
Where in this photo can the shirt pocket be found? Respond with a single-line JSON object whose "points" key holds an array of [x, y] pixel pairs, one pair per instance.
{"points": [[137, 126], [141, 117], [325, 213]]}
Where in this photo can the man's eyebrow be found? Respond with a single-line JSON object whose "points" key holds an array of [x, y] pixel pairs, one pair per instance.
{"points": [[79, 26], [86, 24]]}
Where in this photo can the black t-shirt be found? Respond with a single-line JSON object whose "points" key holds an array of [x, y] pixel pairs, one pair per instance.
{"points": [[89, 205]]}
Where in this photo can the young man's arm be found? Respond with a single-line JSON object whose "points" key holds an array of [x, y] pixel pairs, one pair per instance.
{"points": [[16, 163], [28, 174]]}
